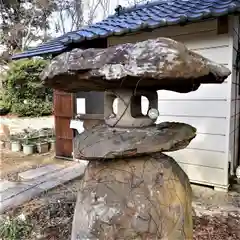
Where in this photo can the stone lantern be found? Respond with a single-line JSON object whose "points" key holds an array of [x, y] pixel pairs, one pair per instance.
{"points": [[131, 189]]}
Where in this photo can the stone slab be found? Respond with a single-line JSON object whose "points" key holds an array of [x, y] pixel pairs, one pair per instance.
{"points": [[38, 172], [19, 199], [5, 184], [49, 180], [11, 192], [160, 63], [71, 173], [44, 183], [103, 142]]}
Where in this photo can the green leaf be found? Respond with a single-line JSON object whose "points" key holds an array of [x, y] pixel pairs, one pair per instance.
{"points": [[24, 92]]}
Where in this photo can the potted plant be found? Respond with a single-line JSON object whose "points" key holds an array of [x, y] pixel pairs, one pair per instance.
{"points": [[16, 145], [42, 146], [28, 146], [52, 143]]}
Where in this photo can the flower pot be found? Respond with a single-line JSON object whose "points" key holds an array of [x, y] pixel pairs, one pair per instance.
{"points": [[28, 149], [42, 147], [52, 144], [16, 146]]}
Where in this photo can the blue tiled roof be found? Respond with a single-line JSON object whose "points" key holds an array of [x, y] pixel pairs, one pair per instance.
{"points": [[151, 15]]}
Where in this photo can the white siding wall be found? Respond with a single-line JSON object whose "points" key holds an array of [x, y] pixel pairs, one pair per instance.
{"points": [[206, 158], [235, 96]]}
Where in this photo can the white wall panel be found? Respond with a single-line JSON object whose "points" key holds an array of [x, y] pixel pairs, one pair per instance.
{"points": [[205, 91], [216, 126], [199, 158], [206, 158], [214, 109], [206, 175]]}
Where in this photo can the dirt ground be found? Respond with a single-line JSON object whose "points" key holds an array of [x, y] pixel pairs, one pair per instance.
{"points": [[13, 163], [49, 216]]}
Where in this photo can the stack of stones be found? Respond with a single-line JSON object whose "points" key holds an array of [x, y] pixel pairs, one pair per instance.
{"points": [[131, 190]]}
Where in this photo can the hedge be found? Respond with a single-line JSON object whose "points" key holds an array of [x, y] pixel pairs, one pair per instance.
{"points": [[24, 92]]}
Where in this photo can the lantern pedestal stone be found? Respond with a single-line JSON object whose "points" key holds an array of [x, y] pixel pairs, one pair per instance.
{"points": [[146, 197]]}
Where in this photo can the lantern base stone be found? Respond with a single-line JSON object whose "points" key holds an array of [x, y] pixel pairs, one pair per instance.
{"points": [[139, 198]]}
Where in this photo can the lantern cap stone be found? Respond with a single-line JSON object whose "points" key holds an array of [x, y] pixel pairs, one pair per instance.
{"points": [[154, 64]]}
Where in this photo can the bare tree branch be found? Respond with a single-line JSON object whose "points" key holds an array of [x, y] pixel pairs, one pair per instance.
{"points": [[24, 22], [78, 13]]}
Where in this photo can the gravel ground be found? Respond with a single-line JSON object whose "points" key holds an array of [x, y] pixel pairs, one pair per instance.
{"points": [[13, 163], [217, 227]]}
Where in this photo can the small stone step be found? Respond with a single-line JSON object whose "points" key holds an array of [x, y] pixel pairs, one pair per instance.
{"points": [[38, 172], [15, 197], [13, 191], [63, 176], [5, 184]]}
